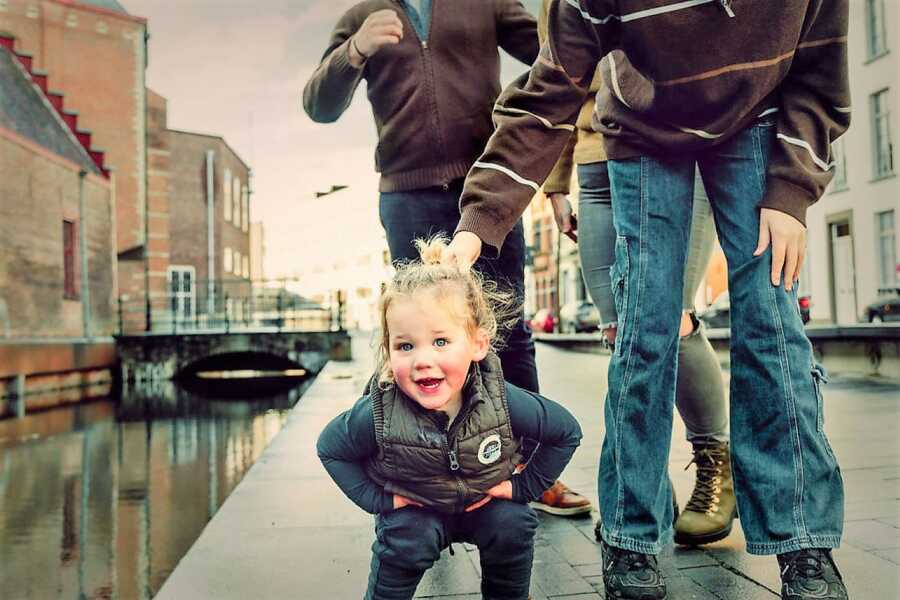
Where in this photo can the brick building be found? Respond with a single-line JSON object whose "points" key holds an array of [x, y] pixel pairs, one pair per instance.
{"points": [[207, 283], [57, 240], [95, 53]]}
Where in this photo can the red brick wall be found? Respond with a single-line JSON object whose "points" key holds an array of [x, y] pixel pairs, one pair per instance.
{"points": [[97, 59], [39, 190], [188, 218], [158, 190]]}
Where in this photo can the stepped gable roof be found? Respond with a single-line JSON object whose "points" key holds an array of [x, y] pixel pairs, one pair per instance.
{"points": [[24, 110]]}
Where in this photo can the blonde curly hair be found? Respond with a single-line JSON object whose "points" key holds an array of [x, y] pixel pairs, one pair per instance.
{"points": [[488, 308]]}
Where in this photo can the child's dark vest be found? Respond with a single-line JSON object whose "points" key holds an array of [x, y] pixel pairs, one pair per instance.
{"points": [[445, 470]]}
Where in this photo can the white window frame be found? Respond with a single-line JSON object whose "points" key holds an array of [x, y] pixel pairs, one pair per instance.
{"points": [[179, 295], [226, 194], [236, 199], [246, 267], [245, 209], [886, 278], [876, 29], [237, 263], [839, 157], [227, 260], [882, 145]]}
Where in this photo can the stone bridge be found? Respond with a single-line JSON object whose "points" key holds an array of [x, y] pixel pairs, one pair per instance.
{"points": [[159, 357]]}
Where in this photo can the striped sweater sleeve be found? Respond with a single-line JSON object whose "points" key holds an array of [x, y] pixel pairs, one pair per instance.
{"points": [[559, 178], [814, 111], [534, 119], [330, 89]]}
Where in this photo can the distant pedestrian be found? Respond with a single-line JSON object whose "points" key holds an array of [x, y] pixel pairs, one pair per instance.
{"points": [[432, 72], [433, 448], [753, 93]]}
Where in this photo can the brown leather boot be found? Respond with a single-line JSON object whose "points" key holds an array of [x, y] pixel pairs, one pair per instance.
{"points": [[560, 500], [709, 514]]}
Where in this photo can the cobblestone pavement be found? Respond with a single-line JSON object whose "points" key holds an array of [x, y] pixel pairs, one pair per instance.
{"points": [[287, 532]]}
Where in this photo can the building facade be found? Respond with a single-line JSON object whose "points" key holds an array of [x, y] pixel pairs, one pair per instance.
{"points": [[95, 53], [209, 209]]}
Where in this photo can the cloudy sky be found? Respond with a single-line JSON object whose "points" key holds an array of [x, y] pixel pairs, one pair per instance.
{"points": [[237, 68]]}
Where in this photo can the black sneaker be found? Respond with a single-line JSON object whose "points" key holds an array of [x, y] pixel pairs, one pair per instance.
{"points": [[631, 575], [810, 574]]}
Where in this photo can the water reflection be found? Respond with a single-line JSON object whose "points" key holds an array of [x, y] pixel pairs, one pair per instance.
{"points": [[101, 500]]}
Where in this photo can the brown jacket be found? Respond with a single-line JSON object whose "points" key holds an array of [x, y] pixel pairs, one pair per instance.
{"points": [[431, 99], [681, 77]]}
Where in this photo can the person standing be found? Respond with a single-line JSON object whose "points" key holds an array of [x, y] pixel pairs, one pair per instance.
{"points": [[700, 393], [753, 94], [432, 70]]}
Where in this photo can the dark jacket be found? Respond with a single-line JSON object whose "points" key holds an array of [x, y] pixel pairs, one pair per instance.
{"points": [[431, 99], [680, 78], [371, 456]]}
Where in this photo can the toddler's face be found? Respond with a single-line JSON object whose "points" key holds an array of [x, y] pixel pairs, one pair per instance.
{"points": [[431, 350]]}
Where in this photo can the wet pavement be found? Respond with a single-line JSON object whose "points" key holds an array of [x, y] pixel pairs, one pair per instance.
{"points": [[288, 532]]}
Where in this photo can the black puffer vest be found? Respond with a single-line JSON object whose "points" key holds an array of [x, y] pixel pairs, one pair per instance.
{"points": [[445, 469]]}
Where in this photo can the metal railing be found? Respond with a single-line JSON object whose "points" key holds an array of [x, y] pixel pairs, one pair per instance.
{"points": [[230, 308]]}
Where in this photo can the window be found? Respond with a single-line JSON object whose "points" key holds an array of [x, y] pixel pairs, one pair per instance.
{"points": [[236, 199], [887, 255], [245, 208], [882, 149], [245, 270], [227, 264], [237, 263], [70, 287], [876, 34], [839, 156], [226, 194], [536, 239]]}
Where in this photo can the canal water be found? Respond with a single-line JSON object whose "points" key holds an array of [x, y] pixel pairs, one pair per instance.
{"points": [[102, 499]]}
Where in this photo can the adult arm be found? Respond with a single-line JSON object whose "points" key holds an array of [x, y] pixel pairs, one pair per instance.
{"points": [[535, 117], [330, 89], [560, 177], [343, 446], [814, 111], [516, 30], [556, 432]]}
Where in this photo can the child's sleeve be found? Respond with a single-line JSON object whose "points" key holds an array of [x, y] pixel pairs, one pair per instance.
{"points": [[343, 446], [556, 432]]}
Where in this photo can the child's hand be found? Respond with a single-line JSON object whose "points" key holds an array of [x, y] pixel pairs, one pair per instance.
{"points": [[788, 238], [403, 501], [502, 490]]}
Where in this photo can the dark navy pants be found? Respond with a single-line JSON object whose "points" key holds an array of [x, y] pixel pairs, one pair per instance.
{"points": [[423, 213], [410, 540]]}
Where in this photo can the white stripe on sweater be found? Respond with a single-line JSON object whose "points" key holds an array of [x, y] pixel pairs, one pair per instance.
{"points": [[509, 173], [843, 109], [700, 133], [797, 142], [641, 14], [518, 111]]}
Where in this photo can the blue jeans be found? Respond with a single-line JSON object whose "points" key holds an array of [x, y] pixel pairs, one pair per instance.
{"points": [[700, 394], [410, 540], [787, 481], [413, 214]]}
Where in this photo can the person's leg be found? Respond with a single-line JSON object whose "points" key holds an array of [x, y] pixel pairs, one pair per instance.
{"points": [[652, 209], [789, 487], [406, 216], [700, 398], [504, 533], [597, 237], [407, 542]]}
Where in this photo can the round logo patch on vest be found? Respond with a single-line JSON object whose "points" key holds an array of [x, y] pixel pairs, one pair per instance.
{"points": [[489, 449]]}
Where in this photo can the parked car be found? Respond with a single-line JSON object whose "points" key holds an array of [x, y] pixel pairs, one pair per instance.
{"points": [[718, 314], [543, 321], [579, 317], [886, 306]]}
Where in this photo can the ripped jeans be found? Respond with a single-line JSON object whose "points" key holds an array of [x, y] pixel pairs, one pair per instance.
{"points": [[787, 481]]}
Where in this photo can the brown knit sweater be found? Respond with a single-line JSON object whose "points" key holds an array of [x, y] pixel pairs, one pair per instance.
{"points": [[431, 98], [682, 77]]}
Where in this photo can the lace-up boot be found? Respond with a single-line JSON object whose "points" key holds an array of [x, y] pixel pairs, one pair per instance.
{"points": [[709, 514], [810, 574], [631, 575]]}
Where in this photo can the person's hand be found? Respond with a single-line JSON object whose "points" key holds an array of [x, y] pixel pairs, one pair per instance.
{"points": [[463, 250], [381, 28], [787, 236], [403, 501], [502, 490], [562, 212]]}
